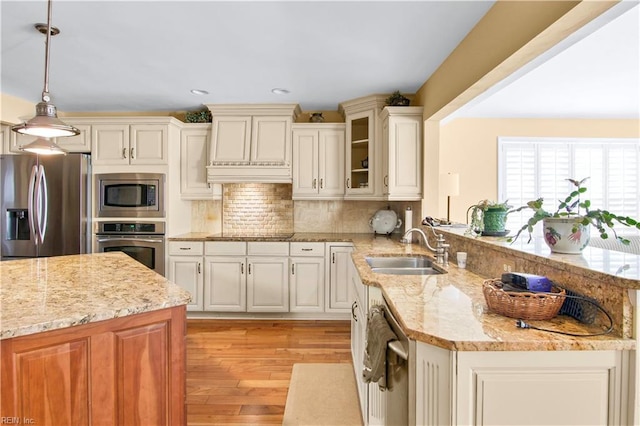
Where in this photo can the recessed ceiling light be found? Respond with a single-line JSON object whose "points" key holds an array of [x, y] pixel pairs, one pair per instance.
{"points": [[279, 91], [199, 92]]}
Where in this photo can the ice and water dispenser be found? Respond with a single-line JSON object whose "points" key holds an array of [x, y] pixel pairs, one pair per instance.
{"points": [[17, 224]]}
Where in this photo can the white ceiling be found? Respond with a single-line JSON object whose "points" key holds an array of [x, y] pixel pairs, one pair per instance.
{"points": [[593, 74], [147, 55]]}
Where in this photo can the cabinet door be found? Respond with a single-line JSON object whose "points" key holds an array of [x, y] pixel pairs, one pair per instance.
{"points": [[305, 163], [78, 143], [404, 172], [339, 261], [149, 143], [360, 156], [307, 284], [331, 163], [194, 152], [186, 271], [231, 139], [267, 284], [433, 385], [16, 140], [110, 144], [225, 289], [271, 140]]}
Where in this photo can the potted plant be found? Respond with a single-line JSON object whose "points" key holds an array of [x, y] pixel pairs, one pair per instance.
{"points": [[567, 230], [488, 218], [396, 99]]}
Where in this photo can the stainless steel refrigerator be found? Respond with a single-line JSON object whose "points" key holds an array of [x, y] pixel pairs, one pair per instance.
{"points": [[45, 205]]}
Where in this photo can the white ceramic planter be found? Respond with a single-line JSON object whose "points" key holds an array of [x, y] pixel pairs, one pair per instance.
{"points": [[565, 235]]}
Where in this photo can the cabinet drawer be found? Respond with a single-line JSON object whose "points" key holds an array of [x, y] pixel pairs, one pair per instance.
{"points": [[307, 249], [186, 248], [225, 248], [268, 248]]}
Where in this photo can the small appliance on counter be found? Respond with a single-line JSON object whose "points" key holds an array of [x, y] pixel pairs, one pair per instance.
{"points": [[385, 222]]}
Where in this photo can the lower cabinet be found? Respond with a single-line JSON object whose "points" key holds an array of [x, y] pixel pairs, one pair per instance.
{"points": [[263, 276], [185, 269], [359, 308], [124, 371], [338, 256]]}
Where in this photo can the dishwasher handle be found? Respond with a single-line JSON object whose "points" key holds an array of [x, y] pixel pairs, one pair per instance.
{"points": [[397, 348]]}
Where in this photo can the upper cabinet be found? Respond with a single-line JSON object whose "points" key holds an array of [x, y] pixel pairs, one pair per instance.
{"points": [[402, 153], [194, 152], [318, 161], [251, 143], [135, 144], [362, 162]]}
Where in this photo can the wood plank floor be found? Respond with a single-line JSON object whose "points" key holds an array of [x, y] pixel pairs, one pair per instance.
{"points": [[238, 371]]}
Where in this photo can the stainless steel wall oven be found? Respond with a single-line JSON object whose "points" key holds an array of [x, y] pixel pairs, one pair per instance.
{"points": [[143, 241]]}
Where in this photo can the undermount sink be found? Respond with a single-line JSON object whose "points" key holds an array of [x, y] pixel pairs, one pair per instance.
{"points": [[403, 265]]}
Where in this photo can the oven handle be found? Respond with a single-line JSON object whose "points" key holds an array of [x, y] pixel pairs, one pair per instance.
{"points": [[143, 240]]}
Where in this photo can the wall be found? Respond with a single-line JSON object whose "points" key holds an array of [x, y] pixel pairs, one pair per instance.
{"points": [[468, 146], [15, 110]]}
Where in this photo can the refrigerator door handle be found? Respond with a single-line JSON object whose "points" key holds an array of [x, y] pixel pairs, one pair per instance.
{"points": [[44, 218], [30, 203]]}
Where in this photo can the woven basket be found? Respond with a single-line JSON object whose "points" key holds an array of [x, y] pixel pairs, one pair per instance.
{"points": [[522, 305]]}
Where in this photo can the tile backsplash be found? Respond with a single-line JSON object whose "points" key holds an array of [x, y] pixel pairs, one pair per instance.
{"points": [[263, 209]]}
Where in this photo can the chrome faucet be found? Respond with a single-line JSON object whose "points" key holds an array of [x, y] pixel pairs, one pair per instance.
{"points": [[441, 249]]}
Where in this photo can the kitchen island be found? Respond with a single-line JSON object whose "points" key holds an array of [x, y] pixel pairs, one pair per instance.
{"points": [[95, 338]]}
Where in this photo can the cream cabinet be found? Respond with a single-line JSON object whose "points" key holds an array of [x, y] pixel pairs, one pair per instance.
{"points": [[359, 308], [318, 161], [268, 277], [129, 144], [5, 136], [225, 287], [194, 152], [186, 270], [251, 143], [306, 281], [13, 141], [338, 259], [402, 153], [489, 388], [363, 160]]}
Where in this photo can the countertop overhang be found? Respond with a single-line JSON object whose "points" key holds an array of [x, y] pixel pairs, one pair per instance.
{"points": [[49, 293]]}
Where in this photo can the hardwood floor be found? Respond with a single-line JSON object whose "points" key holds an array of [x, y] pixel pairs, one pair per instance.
{"points": [[238, 371]]}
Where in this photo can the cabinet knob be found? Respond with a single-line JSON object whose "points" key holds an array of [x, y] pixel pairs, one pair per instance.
{"points": [[314, 183], [348, 182], [242, 269], [199, 268], [321, 183], [333, 258], [124, 152], [386, 180], [353, 310], [293, 269], [132, 153]]}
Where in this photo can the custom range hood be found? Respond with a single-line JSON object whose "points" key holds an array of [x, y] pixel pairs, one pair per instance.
{"points": [[251, 143]]}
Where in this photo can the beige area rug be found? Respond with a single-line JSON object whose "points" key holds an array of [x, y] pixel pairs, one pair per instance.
{"points": [[322, 394]]}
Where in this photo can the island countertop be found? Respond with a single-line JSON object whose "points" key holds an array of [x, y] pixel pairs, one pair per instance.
{"points": [[44, 294]]}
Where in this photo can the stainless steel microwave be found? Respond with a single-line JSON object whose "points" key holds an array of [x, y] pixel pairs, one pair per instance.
{"points": [[130, 194]]}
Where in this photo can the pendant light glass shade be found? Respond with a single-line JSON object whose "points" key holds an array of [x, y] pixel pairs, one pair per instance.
{"points": [[46, 123], [43, 146]]}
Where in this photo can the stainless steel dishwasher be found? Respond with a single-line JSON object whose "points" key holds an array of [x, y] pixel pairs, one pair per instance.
{"points": [[397, 394]]}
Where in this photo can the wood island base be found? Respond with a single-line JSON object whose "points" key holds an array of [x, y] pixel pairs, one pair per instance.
{"points": [[123, 371]]}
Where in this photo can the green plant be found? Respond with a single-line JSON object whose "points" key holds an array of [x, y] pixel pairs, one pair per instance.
{"points": [[202, 116], [396, 99], [573, 207], [476, 222]]}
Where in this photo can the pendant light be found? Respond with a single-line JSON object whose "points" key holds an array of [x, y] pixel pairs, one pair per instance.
{"points": [[43, 146], [46, 123]]}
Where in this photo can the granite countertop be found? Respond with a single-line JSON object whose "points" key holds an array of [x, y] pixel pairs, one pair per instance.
{"points": [[293, 237], [57, 292], [447, 310]]}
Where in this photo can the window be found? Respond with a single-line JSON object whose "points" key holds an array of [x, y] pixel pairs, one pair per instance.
{"points": [[529, 168]]}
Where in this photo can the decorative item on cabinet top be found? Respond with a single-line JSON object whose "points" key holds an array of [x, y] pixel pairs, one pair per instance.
{"points": [[396, 99], [202, 116]]}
